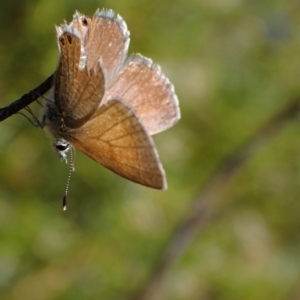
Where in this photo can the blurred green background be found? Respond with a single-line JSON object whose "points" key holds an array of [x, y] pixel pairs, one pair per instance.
{"points": [[234, 64]]}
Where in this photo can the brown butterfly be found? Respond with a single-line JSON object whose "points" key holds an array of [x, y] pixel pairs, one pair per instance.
{"points": [[108, 106]]}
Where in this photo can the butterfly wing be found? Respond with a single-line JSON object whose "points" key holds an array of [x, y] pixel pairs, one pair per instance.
{"points": [[107, 40], [77, 89], [104, 37], [143, 87], [81, 23], [116, 139]]}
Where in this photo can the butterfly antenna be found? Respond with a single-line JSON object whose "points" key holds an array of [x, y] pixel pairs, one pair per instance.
{"points": [[71, 169]]}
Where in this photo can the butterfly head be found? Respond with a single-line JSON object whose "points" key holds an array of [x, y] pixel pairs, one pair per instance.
{"points": [[62, 147]]}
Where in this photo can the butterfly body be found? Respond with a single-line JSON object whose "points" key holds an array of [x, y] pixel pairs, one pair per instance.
{"points": [[106, 106]]}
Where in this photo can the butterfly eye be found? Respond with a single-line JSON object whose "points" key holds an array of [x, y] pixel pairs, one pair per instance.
{"points": [[62, 145]]}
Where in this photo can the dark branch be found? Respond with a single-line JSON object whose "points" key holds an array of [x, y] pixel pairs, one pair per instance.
{"points": [[26, 99]]}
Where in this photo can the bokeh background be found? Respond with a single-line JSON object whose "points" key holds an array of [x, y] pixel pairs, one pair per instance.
{"points": [[234, 65]]}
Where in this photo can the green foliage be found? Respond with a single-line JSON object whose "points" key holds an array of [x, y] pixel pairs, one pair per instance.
{"points": [[234, 64]]}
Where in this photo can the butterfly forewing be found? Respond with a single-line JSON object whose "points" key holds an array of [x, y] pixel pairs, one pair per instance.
{"points": [[107, 41], [116, 139], [81, 23], [78, 90], [143, 87]]}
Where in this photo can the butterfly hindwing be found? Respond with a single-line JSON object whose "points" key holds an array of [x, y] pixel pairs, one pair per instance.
{"points": [[116, 139], [143, 87]]}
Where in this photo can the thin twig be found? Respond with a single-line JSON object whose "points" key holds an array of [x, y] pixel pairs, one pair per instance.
{"points": [[201, 211], [26, 99]]}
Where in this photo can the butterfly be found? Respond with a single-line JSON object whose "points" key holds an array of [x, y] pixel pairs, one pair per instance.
{"points": [[107, 105]]}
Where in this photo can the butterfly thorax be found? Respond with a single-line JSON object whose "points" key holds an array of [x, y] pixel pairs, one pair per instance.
{"points": [[55, 127], [54, 122]]}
